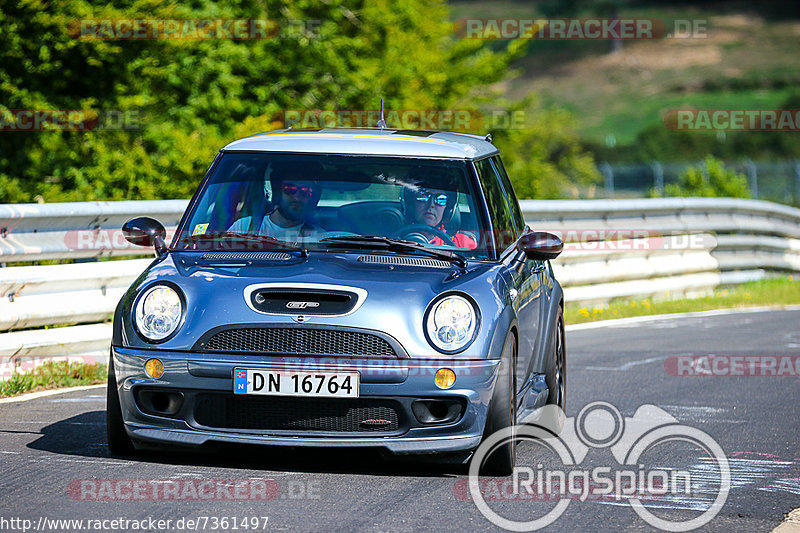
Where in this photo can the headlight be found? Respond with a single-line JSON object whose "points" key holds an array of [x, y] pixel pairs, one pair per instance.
{"points": [[451, 323], [158, 312]]}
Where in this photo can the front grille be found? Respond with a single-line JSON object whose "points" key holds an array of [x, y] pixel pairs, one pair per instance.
{"points": [[297, 341], [335, 415]]}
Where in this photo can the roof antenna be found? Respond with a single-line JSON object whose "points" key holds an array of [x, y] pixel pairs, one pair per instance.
{"points": [[381, 123]]}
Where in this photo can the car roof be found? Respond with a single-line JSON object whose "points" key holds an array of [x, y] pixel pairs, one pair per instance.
{"points": [[369, 141]]}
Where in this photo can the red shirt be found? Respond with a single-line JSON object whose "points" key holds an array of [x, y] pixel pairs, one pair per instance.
{"points": [[459, 239]]}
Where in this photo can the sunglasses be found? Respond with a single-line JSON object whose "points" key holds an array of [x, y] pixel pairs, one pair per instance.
{"points": [[424, 197], [293, 190]]}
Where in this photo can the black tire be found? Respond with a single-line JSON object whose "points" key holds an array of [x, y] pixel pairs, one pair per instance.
{"points": [[503, 414], [556, 377], [119, 443]]}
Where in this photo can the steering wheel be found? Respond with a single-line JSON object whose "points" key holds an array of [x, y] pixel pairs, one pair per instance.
{"points": [[416, 233]]}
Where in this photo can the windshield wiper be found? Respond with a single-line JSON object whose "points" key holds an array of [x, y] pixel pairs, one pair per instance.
{"points": [[397, 245], [247, 238]]}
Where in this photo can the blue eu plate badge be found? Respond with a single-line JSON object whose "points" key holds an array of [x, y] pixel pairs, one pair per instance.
{"points": [[240, 382]]}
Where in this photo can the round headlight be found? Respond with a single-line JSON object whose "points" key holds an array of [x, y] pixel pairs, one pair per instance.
{"points": [[451, 323], [158, 312]]}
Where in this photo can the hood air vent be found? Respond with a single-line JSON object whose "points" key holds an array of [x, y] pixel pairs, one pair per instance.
{"points": [[405, 261], [246, 256]]}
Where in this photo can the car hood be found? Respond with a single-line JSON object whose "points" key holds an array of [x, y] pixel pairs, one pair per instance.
{"points": [[394, 299]]}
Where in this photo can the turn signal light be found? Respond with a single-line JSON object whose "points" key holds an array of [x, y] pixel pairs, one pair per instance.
{"points": [[444, 378], [154, 368]]}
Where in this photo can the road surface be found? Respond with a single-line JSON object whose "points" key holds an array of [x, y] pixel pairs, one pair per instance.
{"points": [[55, 465]]}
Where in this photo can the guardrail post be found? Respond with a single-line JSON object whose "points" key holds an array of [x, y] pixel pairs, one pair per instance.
{"points": [[608, 174], [752, 177], [658, 177]]}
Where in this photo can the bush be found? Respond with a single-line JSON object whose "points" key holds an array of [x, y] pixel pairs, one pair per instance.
{"points": [[711, 179]]}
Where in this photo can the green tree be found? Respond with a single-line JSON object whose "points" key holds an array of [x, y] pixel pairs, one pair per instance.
{"points": [[710, 179], [545, 158], [192, 97]]}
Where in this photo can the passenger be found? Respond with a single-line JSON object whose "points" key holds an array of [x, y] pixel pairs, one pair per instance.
{"points": [[295, 195]]}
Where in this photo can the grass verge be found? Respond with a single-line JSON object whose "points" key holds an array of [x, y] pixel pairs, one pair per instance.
{"points": [[774, 291], [54, 375]]}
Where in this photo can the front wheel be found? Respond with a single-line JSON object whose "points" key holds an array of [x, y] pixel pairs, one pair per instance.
{"points": [[556, 377], [119, 443], [503, 414]]}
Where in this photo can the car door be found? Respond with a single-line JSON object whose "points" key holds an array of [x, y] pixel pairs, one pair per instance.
{"points": [[522, 273], [532, 272]]}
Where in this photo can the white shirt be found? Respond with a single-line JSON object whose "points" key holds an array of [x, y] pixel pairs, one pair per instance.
{"points": [[290, 234]]}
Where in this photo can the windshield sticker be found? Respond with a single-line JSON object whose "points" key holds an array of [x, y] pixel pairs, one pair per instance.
{"points": [[200, 229]]}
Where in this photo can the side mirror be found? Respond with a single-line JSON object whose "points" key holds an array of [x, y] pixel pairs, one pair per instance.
{"points": [[146, 231], [540, 245]]}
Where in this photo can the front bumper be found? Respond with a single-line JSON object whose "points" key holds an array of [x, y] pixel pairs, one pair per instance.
{"points": [[401, 381]]}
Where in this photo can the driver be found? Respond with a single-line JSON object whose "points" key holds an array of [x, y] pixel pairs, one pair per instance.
{"points": [[434, 207], [295, 196]]}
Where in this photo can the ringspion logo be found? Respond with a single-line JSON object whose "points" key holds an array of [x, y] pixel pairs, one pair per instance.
{"points": [[655, 460]]}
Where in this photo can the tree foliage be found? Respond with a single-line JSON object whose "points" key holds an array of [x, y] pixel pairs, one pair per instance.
{"points": [[710, 179], [194, 96], [545, 158]]}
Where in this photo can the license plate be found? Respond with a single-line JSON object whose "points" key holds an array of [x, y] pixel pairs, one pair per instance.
{"points": [[270, 382]]}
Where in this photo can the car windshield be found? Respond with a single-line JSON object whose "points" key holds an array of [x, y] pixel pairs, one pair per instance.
{"points": [[268, 201]]}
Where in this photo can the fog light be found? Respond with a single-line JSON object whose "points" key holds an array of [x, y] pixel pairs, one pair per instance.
{"points": [[444, 378], [154, 368]]}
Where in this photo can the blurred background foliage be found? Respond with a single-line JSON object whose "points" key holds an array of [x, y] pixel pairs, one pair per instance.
{"points": [[743, 57], [192, 97], [711, 179], [583, 102]]}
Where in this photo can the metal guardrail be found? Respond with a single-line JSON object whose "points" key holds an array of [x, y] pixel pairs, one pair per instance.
{"points": [[670, 246], [37, 232], [615, 249]]}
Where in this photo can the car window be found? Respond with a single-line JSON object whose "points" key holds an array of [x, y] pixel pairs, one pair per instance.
{"points": [[513, 203], [502, 219], [309, 197]]}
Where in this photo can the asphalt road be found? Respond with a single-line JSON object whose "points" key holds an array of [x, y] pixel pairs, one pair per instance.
{"points": [[54, 459]]}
